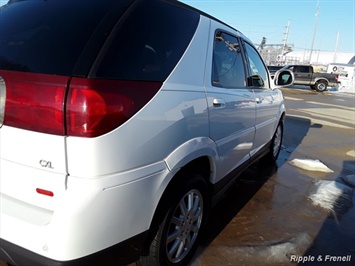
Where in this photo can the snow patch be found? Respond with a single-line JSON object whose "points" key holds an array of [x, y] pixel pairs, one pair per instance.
{"points": [[332, 196], [311, 165]]}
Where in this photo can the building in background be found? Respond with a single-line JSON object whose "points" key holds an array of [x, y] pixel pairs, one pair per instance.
{"points": [[276, 55]]}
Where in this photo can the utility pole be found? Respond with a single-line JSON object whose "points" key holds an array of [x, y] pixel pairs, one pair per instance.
{"points": [[315, 30], [286, 37]]}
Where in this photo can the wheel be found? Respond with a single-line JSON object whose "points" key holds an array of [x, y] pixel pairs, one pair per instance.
{"points": [[275, 146], [178, 234], [321, 85]]}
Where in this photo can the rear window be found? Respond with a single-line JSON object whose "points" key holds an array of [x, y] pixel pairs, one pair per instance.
{"points": [[48, 36], [148, 42]]}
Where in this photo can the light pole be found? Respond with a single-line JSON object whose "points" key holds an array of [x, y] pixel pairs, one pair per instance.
{"points": [[314, 33]]}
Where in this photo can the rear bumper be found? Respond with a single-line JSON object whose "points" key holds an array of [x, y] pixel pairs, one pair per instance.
{"points": [[121, 254], [334, 84], [107, 213]]}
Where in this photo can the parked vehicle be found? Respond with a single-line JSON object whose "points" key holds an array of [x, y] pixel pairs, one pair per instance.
{"points": [[121, 123], [346, 74], [304, 75]]}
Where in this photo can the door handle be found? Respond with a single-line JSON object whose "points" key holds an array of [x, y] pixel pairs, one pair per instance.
{"points": [[219, 103], [258, 100]]}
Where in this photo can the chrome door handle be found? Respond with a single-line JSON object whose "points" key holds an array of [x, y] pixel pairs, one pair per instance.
{"points": [[219, 103], [258, 100]]}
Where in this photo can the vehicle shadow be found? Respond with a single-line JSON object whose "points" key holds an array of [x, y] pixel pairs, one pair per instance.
{"points": [[335, 241], [295, 130], [237, 196], [307, 89]]}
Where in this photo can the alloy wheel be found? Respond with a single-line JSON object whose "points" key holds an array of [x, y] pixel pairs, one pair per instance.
{"points": [[184, 226]]}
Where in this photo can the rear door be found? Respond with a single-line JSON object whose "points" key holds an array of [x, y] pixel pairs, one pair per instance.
{"points": [[303, 75], [231, 103], [268, 101]]}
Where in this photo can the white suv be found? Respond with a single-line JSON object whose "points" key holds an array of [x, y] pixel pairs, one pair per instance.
{"points": [[121, 123]]}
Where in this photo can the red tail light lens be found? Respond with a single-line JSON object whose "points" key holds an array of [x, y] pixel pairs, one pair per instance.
{"points": [[35, 101], [95, 107]]}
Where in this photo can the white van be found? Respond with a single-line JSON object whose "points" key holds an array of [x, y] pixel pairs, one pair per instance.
{"points": [[121, 123], [346, 74]]}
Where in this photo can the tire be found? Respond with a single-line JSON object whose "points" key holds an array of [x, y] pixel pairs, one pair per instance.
{"points": [[177, 237], [321, 85], [275, 146]]}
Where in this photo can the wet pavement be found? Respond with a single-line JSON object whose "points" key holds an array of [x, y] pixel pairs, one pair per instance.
{"points": [[268, 217]]}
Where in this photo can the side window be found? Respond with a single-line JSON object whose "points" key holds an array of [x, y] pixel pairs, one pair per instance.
{"points": [[227, 63], [301, 69], [149, 42], [304, 69], [258, 72]]}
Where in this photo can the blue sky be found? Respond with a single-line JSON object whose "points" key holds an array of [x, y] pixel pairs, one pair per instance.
{"points": [[269, 18]]}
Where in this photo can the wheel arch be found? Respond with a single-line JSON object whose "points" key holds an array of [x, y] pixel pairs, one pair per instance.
{"points": [[282, 118], [202, 165], [192, 152], [321, 79]]}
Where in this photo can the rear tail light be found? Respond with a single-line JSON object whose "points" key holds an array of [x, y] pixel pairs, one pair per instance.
{"points": [[95, 107], [2, 100], [90, 107], [35, 101]]}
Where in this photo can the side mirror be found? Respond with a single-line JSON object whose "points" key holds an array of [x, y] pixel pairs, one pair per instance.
{"points": [[284, 77]]}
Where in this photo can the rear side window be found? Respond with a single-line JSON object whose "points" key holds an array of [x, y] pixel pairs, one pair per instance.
{"points": [[228, 67], [48, 36], [301, 69], [148, 42]]}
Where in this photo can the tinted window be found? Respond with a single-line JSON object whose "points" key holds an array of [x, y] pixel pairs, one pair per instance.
{"points": [[48, 36], [257, 69], [148, 43], [228, 68], [301, 69]]}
